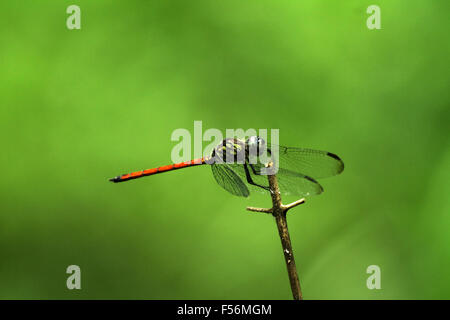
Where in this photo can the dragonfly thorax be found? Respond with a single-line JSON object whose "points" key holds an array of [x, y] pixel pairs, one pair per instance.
{"points": [[231, 150]]}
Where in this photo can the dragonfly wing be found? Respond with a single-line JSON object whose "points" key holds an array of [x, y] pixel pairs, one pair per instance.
{"points": [[229, 180], [256, 178], [289, 182], [309, 162], [297, 184]]}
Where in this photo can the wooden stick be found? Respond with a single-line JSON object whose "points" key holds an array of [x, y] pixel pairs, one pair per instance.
{"points": [[279, 211]]}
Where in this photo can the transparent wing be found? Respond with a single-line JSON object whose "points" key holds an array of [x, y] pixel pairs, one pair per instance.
{"points": [[289, 182], [229, 180], [297, 184], [312, 163]]}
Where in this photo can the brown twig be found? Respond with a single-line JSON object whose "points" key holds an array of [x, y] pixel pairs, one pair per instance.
{"points": [[279, 211]]}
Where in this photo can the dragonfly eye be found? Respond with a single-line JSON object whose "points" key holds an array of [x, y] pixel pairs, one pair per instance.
{"points": [[255, 144], [252, 141], [261, 142]]}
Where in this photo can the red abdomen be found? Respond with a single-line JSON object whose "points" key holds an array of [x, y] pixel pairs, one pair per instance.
{"points": [[149, 172]]}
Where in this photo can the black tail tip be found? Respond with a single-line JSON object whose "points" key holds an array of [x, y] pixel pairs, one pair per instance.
{"points": [[115, 179]]}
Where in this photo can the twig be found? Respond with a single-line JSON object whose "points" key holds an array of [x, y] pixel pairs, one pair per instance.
{"points": [[263, 210], [293, 204], [279, 211]]}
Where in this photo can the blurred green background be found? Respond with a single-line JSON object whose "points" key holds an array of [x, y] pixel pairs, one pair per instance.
{"points": [[81, 106]]}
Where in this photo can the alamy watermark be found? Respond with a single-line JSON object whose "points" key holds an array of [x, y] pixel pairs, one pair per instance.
{"points": [[238, 146], [74, 19], [374, 20], [374, 280], [74, 280]]}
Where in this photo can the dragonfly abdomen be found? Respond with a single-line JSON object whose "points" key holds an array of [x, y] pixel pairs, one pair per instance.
{"points": [[149, 172]]}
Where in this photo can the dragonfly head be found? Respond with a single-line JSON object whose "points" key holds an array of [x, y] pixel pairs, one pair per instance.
{"points": [[255, 145]]}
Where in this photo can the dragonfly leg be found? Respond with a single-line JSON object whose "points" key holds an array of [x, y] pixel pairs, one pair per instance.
{"points": [[249, 177], [254, 170]]}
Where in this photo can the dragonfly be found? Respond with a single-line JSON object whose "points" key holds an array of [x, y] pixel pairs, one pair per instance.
{"points": [[237, 167]]}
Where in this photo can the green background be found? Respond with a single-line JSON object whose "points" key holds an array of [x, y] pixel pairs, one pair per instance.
{"points": [[81, 106]]}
